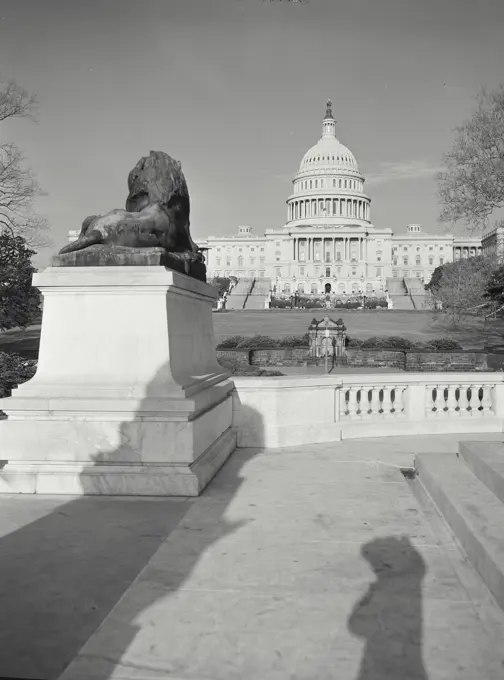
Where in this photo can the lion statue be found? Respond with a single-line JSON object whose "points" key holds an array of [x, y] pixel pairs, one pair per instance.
{"points": [[156, 214]]}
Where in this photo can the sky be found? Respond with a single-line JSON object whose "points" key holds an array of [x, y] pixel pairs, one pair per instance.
{"points": [[236, 90]]}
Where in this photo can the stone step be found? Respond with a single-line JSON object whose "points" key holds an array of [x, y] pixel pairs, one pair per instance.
{"points": [[486, 460], [473, 512]]}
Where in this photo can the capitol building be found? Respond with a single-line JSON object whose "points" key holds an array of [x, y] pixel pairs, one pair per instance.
{"points": [[328, 243]]}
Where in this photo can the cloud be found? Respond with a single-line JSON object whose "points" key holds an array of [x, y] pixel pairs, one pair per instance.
{"points": [[392, 172]]}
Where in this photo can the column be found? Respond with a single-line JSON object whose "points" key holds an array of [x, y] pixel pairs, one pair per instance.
{"points": [[294, 244]]}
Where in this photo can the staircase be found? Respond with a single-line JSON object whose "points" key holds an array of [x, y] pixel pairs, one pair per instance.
{"points": [[468, 489], [259, 293], [399, 294], [419, 296], [237, 297]]}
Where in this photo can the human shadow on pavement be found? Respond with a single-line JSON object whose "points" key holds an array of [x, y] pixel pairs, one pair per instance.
{"points": [[389, 616], [65, 565]]}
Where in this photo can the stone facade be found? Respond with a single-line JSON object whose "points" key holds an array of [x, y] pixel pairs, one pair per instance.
{"points": [[328, 242]]}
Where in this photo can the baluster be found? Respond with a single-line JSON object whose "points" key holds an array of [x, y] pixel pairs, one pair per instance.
{"points": [[375, 404], [440, 400], [451, 401], [486, 401], [398, 400], [431, 400], [463, 401], [343, 404], [352, 402], [387, 400], [472, 401]]}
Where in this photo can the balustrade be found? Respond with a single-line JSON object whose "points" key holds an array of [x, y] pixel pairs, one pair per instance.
{"points": [[468, 401], [372, 401]]}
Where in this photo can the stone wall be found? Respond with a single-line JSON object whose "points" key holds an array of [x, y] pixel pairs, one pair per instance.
{"points": [[445, 361], [289, 356], [376, 358], [415, 361]]}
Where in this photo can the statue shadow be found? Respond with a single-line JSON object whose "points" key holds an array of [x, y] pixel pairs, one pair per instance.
{"points": [[389, 616], [65, 564]]}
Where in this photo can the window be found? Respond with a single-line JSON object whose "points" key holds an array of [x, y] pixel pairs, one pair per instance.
{"points": [[441, 260], [328, 271], [334, 182], [395, 261], [341, 286], [317, 271], [405, 259], [300, 287], [346, 184], [378, 271], [261, 274], [431, 247], [431, 260], [338, 256], [394, 274], [286, 288], [419, 275], [316, 184], [262, 259], [418, 249], [311, 187], [228, 262], [278, 272], [417, 260], [301, 271], [354, 271], [328, 257], [240, 250], [262, 250], [240, 261], [441, 248], [252, 250], [314, 289], [252, 260], [277, 243], [277, 255], [378, 255], [339, 183], [218, 261], [405, 248]]}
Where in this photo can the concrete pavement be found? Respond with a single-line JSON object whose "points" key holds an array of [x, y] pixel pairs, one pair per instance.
{"points": [[301, 563]]}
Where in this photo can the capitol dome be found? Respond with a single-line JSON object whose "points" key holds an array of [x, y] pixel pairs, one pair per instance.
{"points": [[328, 152], [328, 186]]}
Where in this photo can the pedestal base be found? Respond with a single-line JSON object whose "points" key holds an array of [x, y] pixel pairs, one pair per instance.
{"points": [[128, 398], [126, 479]]}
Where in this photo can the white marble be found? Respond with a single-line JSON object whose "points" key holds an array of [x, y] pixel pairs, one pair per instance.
{"points": [[128, 396], [285, 411]]}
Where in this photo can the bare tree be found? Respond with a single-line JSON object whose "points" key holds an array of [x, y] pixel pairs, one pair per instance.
{"points": [[472, 186], [18, 186]]}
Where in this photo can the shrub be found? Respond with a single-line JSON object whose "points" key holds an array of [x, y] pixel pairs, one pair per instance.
{"points": [[257, 342], [353, 343], [247, 371], [294, 341], [442, 345], [14, 370], [392, 342], [280, 304], [232, 342]]}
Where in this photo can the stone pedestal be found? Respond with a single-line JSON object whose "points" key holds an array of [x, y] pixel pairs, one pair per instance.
{"points": [[128, 398]]}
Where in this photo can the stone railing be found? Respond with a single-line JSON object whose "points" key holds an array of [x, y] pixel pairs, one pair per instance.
{"points": [[292, 410]]}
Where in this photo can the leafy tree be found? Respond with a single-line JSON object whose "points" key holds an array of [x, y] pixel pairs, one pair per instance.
{"points": [[221, 283], [18, 187], [19, 300], [461, 286], [495, 288], [472, 186]]}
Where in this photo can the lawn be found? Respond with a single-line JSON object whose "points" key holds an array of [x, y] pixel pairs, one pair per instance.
{"points": [[362, 324], [416, 326]]}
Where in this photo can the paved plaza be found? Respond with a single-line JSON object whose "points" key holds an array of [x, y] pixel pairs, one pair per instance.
{"points": [[320, 561]]}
